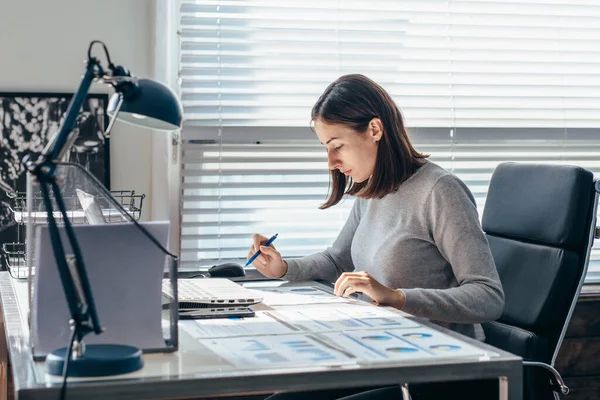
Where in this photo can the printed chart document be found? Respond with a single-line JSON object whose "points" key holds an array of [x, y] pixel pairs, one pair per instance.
{"points": [[325, 330], [275, 351], [261, 324], [402, 344], [328, 318], [283, 296]]}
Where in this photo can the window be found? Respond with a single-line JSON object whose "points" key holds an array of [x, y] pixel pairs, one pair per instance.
{"points": [[479, 83]]}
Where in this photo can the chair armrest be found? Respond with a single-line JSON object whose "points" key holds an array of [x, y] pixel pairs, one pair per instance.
{"points": [[557, 382]]}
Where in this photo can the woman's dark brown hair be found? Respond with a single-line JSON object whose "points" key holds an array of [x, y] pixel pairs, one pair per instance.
{"points": [[354, 100]]}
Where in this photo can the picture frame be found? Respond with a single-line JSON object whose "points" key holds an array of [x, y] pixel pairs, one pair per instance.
{"points": [[29, 119]]}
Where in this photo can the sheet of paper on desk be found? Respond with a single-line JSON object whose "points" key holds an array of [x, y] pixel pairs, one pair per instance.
{"points": [[260, 324], [402, 344], [370, 346], [343, 317], [440, 344], [275, 351], [284, 296]]}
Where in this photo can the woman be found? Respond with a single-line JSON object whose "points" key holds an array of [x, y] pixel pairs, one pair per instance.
{"points": [[413, 239]]}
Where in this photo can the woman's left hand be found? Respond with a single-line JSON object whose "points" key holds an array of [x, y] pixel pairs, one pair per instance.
{"points": [[355, 282]]}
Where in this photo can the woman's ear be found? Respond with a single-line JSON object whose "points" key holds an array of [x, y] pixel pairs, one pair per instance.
{"points": [[375, 129]]}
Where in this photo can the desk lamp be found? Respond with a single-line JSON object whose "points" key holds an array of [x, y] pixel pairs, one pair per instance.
{"points": [[141, 102]]}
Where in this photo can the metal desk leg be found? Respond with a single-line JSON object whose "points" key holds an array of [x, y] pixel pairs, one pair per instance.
{"points": [[511, 385], [405, 392], [503, 382]]}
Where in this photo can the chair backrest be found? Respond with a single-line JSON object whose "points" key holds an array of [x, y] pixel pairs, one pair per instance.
{"points": [[539, 222]]}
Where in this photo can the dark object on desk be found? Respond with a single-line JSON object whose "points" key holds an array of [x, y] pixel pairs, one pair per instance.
{"points": [[226, 270], [538, 220], [206, 313]]}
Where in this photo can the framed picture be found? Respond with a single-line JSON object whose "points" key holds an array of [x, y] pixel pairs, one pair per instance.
{"points": [[29, 120]]}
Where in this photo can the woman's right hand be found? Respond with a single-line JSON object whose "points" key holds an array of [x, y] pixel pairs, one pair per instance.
{"points": [[269, 262]]}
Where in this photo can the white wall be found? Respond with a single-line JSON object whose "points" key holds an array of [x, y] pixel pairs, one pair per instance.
{"points": [[166, 173], [43, 46]]}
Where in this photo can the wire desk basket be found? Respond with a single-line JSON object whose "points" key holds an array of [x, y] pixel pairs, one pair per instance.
{"points": [[13, 256]]}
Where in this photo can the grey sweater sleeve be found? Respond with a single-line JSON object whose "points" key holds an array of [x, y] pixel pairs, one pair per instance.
{"points": [[455, 229], [331, 263]]}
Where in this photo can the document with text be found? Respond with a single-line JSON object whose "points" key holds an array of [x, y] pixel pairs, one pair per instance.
{"points": [[402, 344], [327, 318], [326, 330], [276, 351], [261, 324], [284, 296]]}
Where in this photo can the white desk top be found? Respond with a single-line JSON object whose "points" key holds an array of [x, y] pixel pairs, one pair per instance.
{"points": [[333, 338]]}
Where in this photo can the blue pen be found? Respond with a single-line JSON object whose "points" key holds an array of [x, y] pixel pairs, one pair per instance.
{"points": [[267, 243]]}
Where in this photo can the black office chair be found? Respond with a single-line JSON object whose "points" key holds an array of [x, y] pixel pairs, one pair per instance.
{"points": [[540, 222]]}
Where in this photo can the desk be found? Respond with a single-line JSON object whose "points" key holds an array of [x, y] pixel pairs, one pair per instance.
{"points": [[195, 371]]}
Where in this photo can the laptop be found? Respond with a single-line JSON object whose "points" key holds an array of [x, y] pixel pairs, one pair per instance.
{"points": [[125, 270], [210, 293]]}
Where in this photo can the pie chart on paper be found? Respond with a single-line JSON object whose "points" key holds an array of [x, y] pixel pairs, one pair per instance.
{"points": [[444, 347], [376, 337], [417, 335], [402, 350]]}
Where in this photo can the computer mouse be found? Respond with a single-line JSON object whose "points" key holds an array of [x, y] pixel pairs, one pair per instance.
{"points": [[226, 270]]}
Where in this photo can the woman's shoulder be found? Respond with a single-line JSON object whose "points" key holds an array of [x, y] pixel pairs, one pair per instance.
{"points": [[432, 178], [430, 173], [447, 185]]}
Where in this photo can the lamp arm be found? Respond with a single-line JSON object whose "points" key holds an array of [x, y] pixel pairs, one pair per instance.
{"points": [[58, 250], [82, 310], [88, 309], [59, 142]]}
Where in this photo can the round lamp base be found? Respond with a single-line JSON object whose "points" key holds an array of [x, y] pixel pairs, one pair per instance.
{"points": [[98, 360]]}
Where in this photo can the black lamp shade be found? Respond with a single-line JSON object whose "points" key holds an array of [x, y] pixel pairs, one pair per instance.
{"points": [[153, 105]]}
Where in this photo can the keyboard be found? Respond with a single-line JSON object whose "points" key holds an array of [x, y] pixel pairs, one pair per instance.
{"points": [[212, 292]]}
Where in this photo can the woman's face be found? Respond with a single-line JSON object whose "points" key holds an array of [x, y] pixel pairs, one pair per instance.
{"points": [[354, 154]]}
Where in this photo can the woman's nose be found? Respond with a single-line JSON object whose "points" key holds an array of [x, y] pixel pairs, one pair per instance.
{"points": [[332, 162]]}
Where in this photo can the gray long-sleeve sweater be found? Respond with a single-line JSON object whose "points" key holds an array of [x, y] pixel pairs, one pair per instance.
{"points": [[424, 239]]}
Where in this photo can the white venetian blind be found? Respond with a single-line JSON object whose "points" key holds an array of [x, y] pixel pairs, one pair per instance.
{"points": [[479, 82], [233, 190]]}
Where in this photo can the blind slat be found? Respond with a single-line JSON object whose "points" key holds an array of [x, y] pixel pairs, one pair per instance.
{"points": [[505, 64]]}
